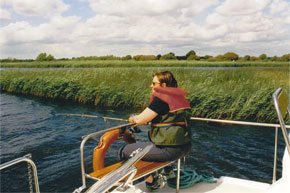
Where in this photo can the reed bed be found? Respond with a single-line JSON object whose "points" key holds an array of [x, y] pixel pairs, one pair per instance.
{"points": [[237, 94], [133, 63]]}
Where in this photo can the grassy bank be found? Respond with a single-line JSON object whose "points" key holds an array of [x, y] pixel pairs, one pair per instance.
{"points": [[239, 94], [133, 63]]}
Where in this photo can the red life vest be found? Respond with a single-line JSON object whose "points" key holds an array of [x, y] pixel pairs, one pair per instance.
{"points": [[174, 97], [172, 128]]}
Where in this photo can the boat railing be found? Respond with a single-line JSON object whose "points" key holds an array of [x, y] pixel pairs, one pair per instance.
{"points": [[276, 126], [113, 178], [26, 158], [85, 139], [282, 107], [99, 133]]}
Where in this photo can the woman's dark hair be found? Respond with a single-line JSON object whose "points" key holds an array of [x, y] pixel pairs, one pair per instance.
{"points": [[166, 77]]}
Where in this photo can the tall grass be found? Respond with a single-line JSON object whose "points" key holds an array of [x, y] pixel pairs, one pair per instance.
{"points": [[239, 94], [133, 63]]}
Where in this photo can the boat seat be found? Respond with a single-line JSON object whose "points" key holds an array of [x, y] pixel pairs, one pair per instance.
{"points": [[143, 168]]}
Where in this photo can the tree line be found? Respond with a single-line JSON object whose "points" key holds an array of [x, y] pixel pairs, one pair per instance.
{"points": [[190, 56]]}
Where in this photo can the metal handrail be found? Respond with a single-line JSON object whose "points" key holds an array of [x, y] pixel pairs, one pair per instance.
{"points": [[277, 94], [85, 139], [250, 124], [27, 159], [238, 122]]}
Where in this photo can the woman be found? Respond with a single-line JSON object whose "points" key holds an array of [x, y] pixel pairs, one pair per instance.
{"points": [[168, 112]]}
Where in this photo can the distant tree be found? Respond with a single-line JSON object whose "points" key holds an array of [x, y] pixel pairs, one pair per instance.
{"points": [[275, 58], [263, 57], [246, 58], [193, 57], [169, 56], [231, 56], [63, 59], [285, 58], [108, 57], [137, 57], [219, 57], [253, 58], [158, 56], [44, 57], [9, 59], [41, 57], [181, 57], [206, 57], [128, 57], [49, 58], [144, 57], [191, 52]]}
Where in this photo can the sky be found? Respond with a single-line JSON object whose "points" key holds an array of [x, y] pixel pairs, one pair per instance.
{"points": [[74, 28]]}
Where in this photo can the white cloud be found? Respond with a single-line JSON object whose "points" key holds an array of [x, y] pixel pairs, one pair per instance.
{"points": [[148, 27], [149, 7], [242, 7], [4, 3], [38, 7], [278, 6], [146, 20], [4, 14], [216, 19], [56, 30], [246, 25], [129, 7]]}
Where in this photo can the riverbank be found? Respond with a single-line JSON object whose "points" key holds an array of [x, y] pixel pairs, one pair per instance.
{"points": [[133, 63], [241, 94]]}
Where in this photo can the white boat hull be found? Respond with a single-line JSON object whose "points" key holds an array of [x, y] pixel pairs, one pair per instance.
{"points": [[223, 185]]}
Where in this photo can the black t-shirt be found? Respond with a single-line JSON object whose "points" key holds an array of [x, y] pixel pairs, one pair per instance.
{"points": [[159, 106]]}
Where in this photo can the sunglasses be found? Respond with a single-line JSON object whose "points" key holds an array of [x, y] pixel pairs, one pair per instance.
{"points": [[154, 83]]}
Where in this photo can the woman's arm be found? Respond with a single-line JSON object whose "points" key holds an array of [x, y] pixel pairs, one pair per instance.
{"points": [[144, 117]]}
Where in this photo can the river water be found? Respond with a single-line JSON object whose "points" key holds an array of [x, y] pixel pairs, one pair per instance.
{"points": [[32, 125]]}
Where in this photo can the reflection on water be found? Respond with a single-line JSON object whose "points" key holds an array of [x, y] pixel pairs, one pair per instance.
{"points": [[30, 125]]}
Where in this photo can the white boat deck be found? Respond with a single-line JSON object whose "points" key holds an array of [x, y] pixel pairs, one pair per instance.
{"points": [[223, 185]]}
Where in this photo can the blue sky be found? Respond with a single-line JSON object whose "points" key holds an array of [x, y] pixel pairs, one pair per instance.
{"points": [[73, 28]]}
